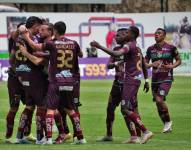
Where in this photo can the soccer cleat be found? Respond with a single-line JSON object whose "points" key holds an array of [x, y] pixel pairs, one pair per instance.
{"points": [[42, 141], [146, 137], [132, 140], [167, 127], [60, 139], [8, 141], [105, 139], [48, 141], [67, 136], [30, 137], [76, 141], [22, 141]]}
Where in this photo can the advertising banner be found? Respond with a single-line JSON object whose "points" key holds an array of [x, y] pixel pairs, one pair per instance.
{"points": [[90, 68]]}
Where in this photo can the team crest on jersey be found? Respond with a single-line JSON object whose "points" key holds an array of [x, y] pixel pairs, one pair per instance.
{"points": [[162, 92], [121, 57]]}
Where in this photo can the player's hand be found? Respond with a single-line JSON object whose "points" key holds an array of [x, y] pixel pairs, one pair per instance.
{"points": [[156, 64], [146, 87], [23, 49], [94, 44], [22, 29], [25, 35], [170, 66]]}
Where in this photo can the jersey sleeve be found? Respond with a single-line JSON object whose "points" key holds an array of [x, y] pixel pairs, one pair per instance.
{"points": [[175, 52], [126, 48], [148, 54], [77, 47], [48, 46]]}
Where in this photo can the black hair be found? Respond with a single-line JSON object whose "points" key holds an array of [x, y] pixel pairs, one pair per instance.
{"points": [[122, 29], [22, 23], [164, 31], [32, 20], [60, 27], [50, 26], [135, 31]]}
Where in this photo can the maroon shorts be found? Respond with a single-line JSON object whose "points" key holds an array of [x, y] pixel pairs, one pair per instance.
{"points": [[60, 97], [161, 89], [130, 90], [35, 95], [15, 90], [116, 93]]}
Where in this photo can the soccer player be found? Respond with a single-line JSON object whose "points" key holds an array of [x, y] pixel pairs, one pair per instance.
{"points": [[76, 99], [116, 94], [63, 62], [132, 60], [162, 55], [16, 93], [33, 79], [45, 34]]}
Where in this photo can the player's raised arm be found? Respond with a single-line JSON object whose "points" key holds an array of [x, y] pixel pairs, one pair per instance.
{"points": [[32, 58], [38, 47], [108, 51]]}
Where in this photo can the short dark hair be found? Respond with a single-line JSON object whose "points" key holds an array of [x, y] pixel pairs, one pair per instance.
{"points": [[164, 31], [135, 31], [60, 27], [32, 20], [22, 23], [50, 26], [122, 29]]}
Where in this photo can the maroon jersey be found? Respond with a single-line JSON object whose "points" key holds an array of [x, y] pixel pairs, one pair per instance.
{"points": [[25, 69], [63, 60], [119, 71], [165, 54], [133, 60]]}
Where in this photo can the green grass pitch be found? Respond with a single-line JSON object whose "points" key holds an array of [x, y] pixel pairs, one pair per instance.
{"points": [[94, 96]]}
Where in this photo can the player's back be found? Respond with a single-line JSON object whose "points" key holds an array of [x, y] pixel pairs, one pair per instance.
{"points": [[64, 60], [133, 62]]}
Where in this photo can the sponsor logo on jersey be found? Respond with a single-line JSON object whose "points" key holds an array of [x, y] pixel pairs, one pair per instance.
{"points": [[23, 68]]}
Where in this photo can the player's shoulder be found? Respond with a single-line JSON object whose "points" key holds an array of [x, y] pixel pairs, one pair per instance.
{"points": [[116, 48], [70, 41], [151, 47], [169, 46]]}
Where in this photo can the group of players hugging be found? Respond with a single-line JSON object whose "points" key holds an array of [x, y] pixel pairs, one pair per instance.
{"points": [[44, 75]]}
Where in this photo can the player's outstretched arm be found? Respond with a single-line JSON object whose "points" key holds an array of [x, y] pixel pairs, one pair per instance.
{"points": [[31, 57], [106, 50]]}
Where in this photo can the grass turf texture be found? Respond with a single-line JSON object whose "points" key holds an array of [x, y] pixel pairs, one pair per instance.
{"points": [[94, 96]]}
